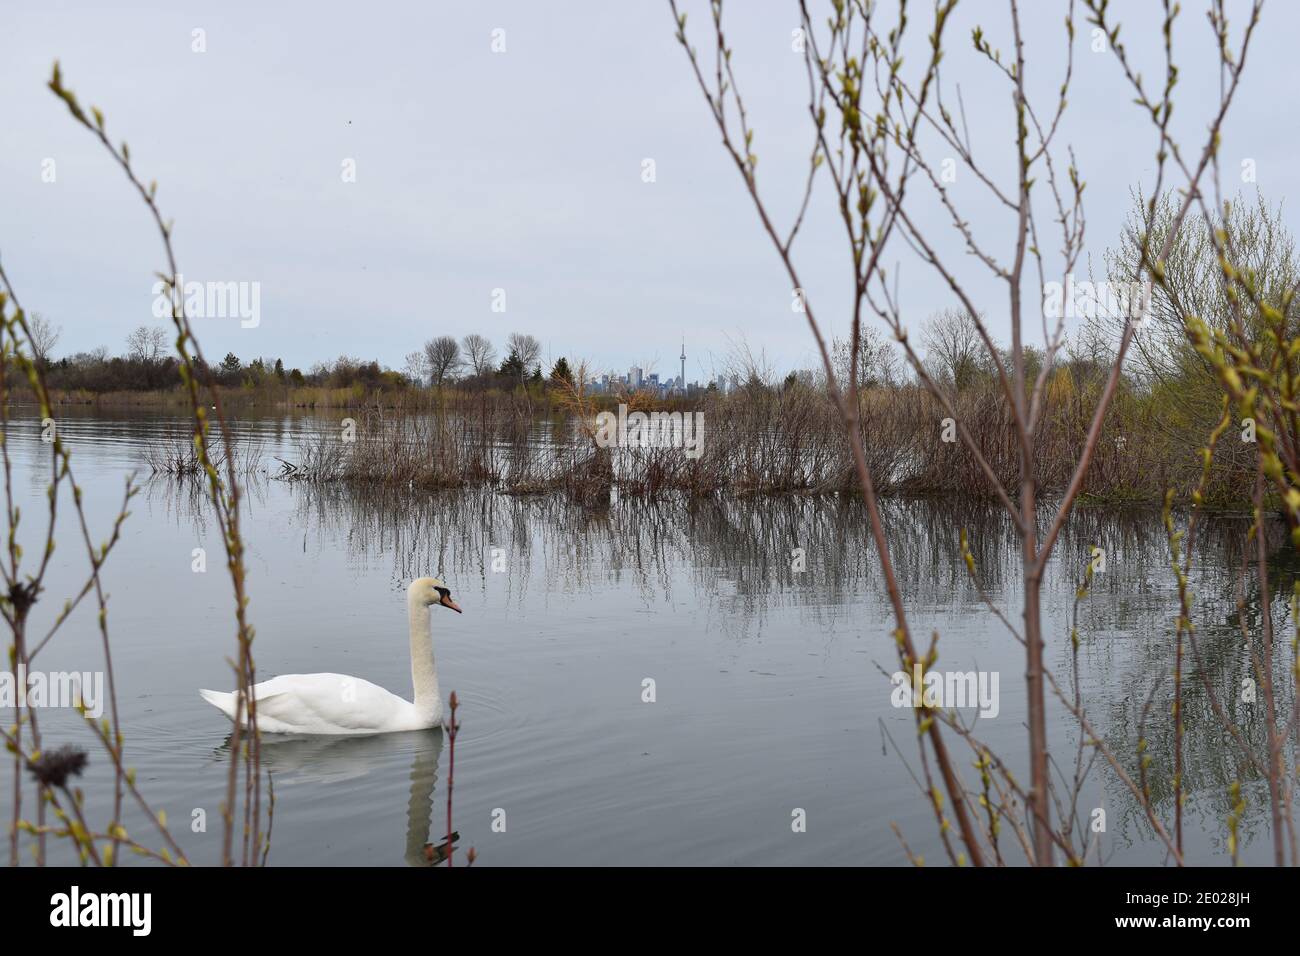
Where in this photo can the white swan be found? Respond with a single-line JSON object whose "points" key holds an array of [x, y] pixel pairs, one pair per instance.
{"points": [[338, 704]]}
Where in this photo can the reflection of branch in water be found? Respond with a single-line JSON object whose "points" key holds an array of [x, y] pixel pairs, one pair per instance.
{"points": [[322, 760], [1213, 761], [738, 550], [184, 497]]}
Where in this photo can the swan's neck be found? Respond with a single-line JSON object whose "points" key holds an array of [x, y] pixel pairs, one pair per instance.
{"points": [[424, 672]]}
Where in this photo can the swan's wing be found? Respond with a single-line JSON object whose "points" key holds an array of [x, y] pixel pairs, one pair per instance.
{"points": [[326, 704]]}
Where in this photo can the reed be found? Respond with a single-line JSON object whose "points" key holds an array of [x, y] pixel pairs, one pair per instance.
{"points": [[764, 439], [175, 454]]}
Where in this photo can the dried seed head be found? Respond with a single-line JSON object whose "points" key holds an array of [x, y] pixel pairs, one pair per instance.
{"points": [[53, 769]]}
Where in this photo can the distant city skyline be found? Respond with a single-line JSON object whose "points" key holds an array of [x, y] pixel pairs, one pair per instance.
{"points": [[638, 377]]}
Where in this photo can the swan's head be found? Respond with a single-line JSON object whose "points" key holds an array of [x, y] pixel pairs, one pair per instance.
{"points": [[429, 591]]}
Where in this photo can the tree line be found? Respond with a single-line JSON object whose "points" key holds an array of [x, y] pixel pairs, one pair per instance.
{"points": [[148, 363]]}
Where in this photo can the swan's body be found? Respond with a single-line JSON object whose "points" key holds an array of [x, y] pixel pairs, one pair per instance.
{"points": [[329, 704], [339, 704]]}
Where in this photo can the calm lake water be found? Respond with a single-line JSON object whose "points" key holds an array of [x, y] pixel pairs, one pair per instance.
{"points": [[768, 681]]}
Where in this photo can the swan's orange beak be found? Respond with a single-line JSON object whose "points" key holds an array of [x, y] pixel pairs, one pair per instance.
{"points": [[448, 602]]}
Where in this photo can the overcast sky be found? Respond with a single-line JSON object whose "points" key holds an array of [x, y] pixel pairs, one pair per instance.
{"points": [[519, 170]]}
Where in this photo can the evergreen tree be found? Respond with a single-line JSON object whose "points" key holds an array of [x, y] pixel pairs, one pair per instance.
{"points": [[513, 367]]}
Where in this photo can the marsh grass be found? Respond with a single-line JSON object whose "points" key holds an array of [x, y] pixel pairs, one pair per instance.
{"points": [[175, 454], [762, 439]]}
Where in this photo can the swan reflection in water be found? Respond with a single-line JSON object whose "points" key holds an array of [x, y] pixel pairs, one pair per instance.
{"points": [[294, 760]]}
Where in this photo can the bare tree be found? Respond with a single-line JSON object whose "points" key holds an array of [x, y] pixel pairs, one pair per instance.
{"points": [[96, 356], [415, 366], [43, 336], [146, 344], [877, 360], [527, 348], [441, 359], [480, 355], [1162, 353], [954, 352]]}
